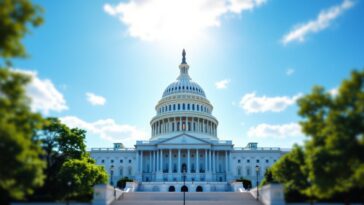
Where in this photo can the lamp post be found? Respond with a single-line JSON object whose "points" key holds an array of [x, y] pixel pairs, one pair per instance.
{"points": [[111, 174], [184, 185], [257, 172]]}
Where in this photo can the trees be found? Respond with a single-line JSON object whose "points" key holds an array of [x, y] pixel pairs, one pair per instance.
{"points": [[21, 168], [335, 127], [16, 19], [82, 174], [289, 170], [330, 166], [67, 161]]}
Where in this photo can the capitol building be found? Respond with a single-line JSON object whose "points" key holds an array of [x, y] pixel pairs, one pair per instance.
{"points": [[184, 150]]}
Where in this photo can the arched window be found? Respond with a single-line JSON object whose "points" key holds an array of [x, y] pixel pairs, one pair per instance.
{"points": [[188, 106], [183, 87], [169, 107], [121, 172], [179, 106], [172, 126], [198, 107], [193, 106], [129, 171], [239, 171], [248, 171], [179, 87], [183, 106], [174, 106]]}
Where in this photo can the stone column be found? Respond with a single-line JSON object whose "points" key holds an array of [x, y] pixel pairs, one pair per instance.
{"points": [[150, 162], [197, 162], [157, 161], [214, 153], [161, 161], [137, 159], [205, 161], [170, 162], [188, 161], [226, 161], [141, 162], [179, 162], [210, 160]]}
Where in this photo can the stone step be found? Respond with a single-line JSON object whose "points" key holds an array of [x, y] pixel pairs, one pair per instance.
{"points": [[208, 198]]}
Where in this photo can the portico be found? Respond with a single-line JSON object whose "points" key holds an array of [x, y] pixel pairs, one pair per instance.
{"points": [[165, 160]]}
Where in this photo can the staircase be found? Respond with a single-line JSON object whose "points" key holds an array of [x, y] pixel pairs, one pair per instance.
{"points": [[192, 198]]}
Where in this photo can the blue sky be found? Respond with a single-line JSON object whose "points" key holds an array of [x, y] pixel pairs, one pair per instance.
{"points": [[103, 65]]}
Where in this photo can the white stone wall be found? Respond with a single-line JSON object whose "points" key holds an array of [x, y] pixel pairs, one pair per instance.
{"points": [[124, 163], [247, 160]]}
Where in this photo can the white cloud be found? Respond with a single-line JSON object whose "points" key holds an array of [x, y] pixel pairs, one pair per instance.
{"points": [[95, 99], [281, 131], [107, 129], [155, 20], [290, 71], [43, 94], [222, 84], [253, 104], [323, 21]]}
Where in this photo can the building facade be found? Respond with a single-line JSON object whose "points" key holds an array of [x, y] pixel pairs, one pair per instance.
{"points": [[184, 149]]}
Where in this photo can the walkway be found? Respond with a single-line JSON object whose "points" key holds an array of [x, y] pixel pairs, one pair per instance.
{"points": [[204, 198]]}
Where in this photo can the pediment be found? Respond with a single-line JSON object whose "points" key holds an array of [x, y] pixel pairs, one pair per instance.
{"points": [[184, 139]]}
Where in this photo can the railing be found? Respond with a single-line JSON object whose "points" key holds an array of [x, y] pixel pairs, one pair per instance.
{"points": [[112, 149], [261, 148]]}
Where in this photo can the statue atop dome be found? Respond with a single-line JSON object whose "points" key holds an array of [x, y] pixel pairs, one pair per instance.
{"points": [[184, 57]]}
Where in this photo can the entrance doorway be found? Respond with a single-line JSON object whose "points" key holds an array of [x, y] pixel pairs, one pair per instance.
{"points": [[184, 188], [199, 189], [171, 189]]}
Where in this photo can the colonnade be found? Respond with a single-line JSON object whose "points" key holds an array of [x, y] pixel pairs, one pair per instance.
{"points": [[177, 124], [183, 160]]}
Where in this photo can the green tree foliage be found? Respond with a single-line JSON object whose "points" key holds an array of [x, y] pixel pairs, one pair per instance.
{"points": [[289, 170], [78, 178], [122, 182], [67, 160], [335, 126], [21, 169], [16, 19], [268, 178]]}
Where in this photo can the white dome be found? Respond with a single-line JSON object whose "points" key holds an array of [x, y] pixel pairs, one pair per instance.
{"points": [[184, 108]]}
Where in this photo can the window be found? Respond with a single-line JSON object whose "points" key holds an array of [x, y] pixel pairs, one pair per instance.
{"points": [[193, 106], [179, 106], [267, 161], [248, 171], [112, 161], [121, 161], [102, 161], [248, 160], [174, 106], [239, 171], [257, 160], [121, 171], [169, 107], [129, 171], [239, 161], [188, 106], [129, 161], [198, 107], [183, 106]]}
